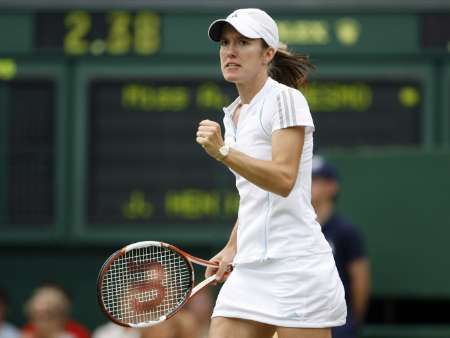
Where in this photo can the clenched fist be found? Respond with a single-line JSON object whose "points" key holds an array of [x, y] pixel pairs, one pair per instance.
{"points": [[209, 136]]}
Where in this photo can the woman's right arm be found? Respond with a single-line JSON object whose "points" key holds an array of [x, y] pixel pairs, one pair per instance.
{"points": [[224, 257]]}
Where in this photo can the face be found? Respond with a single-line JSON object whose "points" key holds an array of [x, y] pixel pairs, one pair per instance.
{"points": [[46, 309], [47, 320], [242, 59], [322, 189]]}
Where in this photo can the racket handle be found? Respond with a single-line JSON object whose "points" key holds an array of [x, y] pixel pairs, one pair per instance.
{"points": [[203, 284], [208, 281]]}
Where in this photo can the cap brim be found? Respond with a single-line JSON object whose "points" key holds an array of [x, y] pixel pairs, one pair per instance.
{"points": [[215, 29]]}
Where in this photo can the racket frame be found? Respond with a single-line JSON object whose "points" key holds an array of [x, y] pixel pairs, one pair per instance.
{"points": [[138, 245]]}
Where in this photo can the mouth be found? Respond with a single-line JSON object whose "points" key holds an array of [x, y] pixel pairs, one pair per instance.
{"points": [[232, 65]]}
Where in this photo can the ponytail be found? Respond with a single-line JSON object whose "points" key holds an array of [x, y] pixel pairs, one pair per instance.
{"points": [[290, 68]]}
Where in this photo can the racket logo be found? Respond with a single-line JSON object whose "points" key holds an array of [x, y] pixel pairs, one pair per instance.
{"points": [[146, 285]]}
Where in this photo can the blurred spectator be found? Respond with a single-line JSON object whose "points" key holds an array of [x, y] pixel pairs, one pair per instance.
{"points": [[7, 330], [182, 325], [48, 311], [201, 306], [347, 244], [111, 330]]}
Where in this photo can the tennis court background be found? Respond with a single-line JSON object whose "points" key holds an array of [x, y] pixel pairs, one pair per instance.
{"points": [[98, 105]]}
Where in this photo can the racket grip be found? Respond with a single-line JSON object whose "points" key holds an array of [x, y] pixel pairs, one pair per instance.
{"points": [[203, 284], [207, 281]]}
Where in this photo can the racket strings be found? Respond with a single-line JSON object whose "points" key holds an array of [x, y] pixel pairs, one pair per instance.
{"points": [[146, 284]]}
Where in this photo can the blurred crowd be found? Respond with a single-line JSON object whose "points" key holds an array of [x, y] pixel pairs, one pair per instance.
{"points": [[48, 315]]}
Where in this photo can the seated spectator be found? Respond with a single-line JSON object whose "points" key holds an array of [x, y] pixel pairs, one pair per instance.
{"points": [[48, 311], [112, 330], [182, 325], [7, 330]]}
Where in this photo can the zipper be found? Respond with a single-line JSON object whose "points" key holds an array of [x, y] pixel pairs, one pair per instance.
{"points": [[266, 226]]}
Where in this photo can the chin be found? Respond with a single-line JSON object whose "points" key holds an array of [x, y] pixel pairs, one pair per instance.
{"points": [[233, 76], [230, 78]]}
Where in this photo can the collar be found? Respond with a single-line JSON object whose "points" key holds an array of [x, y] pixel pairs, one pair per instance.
{"points": [[257, 98]]}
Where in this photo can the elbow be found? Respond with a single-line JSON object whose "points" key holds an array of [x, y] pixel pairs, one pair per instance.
{"points": [[285, 191], [286, 186]]}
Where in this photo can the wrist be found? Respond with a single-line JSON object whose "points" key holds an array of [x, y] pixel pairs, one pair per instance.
{"points": [[223, 153]]}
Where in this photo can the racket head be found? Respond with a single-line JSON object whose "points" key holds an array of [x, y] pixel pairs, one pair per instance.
{"points": [[144, 284]]}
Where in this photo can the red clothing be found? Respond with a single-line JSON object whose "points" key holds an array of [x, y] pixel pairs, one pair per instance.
{"points": [[72, 327]]}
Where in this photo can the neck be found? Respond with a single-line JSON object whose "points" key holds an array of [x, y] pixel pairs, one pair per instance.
{"points": [[248, 90], [324, 211]]}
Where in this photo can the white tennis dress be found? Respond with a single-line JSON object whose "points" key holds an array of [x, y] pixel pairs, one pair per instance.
{"points": [[284, 272]]}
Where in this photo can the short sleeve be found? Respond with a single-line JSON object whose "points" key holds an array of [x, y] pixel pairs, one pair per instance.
{"points": [[291, 109]]}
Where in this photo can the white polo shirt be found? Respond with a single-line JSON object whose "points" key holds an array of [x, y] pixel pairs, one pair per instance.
{"points": [[271, 226]]}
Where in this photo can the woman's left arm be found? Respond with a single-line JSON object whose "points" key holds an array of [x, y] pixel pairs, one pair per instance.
{"points": [[277, 175]]}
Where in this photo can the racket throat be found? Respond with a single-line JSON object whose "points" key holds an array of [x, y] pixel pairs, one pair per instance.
{"points": [[203, 284]]}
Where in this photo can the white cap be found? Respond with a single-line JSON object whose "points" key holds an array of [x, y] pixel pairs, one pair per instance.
{"points": [[252, 23]]}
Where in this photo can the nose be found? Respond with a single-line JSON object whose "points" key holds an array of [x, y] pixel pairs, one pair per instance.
{"points": [[231, 50]]}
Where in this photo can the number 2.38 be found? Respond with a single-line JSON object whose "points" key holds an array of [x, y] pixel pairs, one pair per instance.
{"points": [[125, 33]]}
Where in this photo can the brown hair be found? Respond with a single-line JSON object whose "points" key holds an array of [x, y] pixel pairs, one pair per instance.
{"points": [[289, 68]]}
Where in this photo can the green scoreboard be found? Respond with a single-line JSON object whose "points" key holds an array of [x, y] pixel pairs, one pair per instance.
{"points": [[33, 98], [137, 152], [99, 108]]}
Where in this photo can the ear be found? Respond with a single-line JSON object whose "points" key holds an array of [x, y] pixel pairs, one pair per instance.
{"points": [[269, 54]]}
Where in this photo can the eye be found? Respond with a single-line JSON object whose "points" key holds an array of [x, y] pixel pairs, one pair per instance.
{"points": [[223, 42], [244, 42]]}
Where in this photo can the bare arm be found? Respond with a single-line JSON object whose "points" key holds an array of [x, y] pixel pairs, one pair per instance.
{"points": [[224, 257], [277, 175], [359, 272], [232, 241]]}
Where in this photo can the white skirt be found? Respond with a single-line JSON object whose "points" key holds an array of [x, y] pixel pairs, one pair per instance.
{"points": [[303, 292]]}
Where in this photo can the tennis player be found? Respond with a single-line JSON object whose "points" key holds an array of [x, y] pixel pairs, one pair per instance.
{"points": [[284, 278]]}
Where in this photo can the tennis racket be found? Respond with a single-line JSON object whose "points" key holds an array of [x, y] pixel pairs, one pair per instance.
{"points": [[145, 283]]}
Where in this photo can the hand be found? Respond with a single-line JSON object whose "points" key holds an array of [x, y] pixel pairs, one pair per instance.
{"points": [[209, 136], [224, 259]]}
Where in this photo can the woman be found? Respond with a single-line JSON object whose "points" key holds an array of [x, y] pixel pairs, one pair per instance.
{"points": [[48, 310], [284, 278]]}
